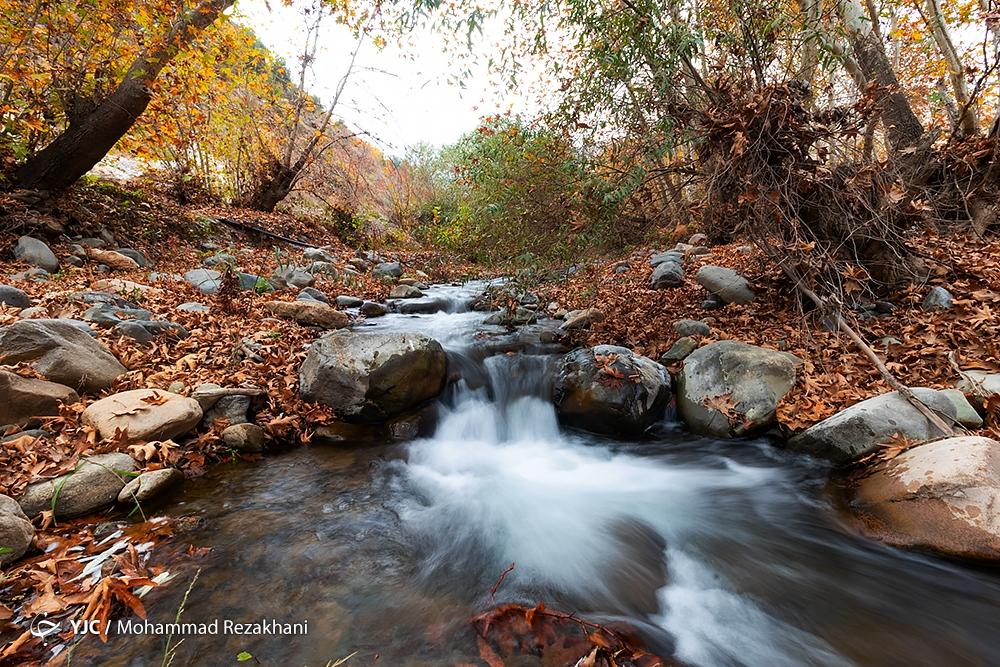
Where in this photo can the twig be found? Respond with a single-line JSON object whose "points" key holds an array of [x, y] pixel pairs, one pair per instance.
{"points": [[503, 575], [905, 391]]}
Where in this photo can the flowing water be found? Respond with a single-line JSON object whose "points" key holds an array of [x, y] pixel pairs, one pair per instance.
{"points": [[720, 553]]}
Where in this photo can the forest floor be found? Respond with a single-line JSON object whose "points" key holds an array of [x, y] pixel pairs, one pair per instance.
{"points": [[914, 343]]}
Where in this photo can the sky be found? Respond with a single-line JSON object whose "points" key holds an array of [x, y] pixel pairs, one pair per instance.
{"points": [[401, 95]]}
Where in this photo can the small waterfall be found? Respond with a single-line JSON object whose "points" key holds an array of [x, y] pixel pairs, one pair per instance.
{"points": [[587, 525]]}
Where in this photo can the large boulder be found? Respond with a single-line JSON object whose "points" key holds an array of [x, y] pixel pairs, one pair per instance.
{"points": [[730, 389], [16, 532], [36, 253], [369, 376], [610, 389], [863, 427], [940, 496], [60, 351], [311, 313], [24, 398], [725, 284], [144, 414], [94, 484]]}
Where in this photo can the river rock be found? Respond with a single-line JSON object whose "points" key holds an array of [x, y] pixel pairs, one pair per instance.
{"points": [[145, 414], [145, 331], [669, 257], [136, 257], [978, 383], [318, 255], [861, 428], [405, 292], [25, 398], [220, 259], [345, 301], [36, 253], [388, 270], [313, 294], [310, 313], [938, 299], [232, 409], [244, 437], [149, 485], [369, 376], [372, 309], [941, 496], [61, 352], [94, 484], [206, 281], [34, 313], [667, 275], [107, 315], [112, 260], [424, 306], [610, 389], [16, 532], [679, 350], [692, 328], [193, 307], [579, 319], [13, 297], [730, 389], [127, 287], [726, 284], [292, 277]]}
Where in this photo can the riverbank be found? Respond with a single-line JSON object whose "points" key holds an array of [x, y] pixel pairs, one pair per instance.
{"points": [[211, 324]]}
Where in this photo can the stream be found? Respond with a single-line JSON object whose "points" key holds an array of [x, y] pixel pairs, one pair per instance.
{"points": [[720, 553]]}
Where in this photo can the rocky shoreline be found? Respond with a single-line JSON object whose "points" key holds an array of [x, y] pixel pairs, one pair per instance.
{"points": [[377, 387]]}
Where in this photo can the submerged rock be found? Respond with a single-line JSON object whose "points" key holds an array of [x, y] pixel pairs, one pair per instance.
{"points": [[610, 389], [941, 496], [369, 376], [729, 389]]}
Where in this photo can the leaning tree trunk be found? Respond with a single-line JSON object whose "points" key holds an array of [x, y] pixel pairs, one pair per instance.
{"points": [[902, 126], [278, 184], [88, 139]]}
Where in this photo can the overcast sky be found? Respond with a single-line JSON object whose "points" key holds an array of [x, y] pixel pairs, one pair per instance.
{"points": [[401, 95]]}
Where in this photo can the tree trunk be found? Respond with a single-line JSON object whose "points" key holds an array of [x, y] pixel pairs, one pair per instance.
{"points": [[268, 194], [902, 126], [968, 119], [89, 138]]}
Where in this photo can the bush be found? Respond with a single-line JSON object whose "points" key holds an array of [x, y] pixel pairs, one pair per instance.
{"points": [[516, 191]]}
